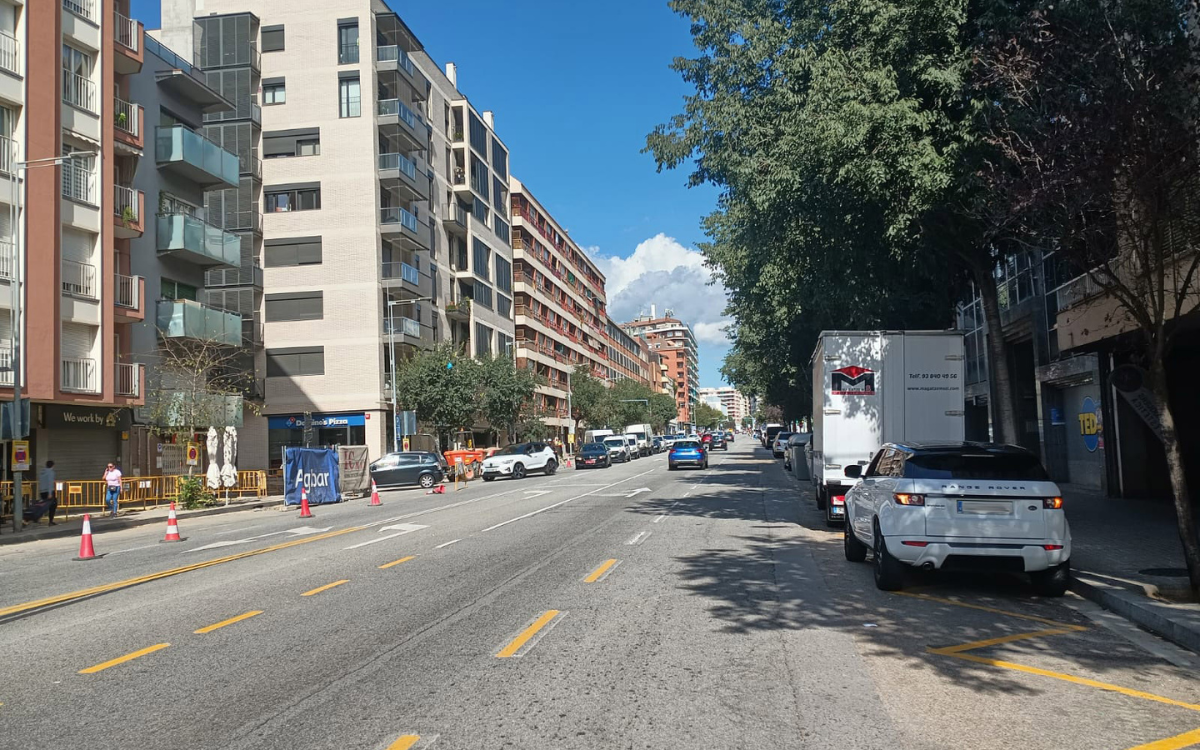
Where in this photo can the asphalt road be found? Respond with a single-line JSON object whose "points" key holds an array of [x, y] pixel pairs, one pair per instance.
{"points": [[629, 607]]}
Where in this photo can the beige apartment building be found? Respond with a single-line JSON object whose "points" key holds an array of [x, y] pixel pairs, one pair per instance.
{"points": [[729, 400], [384, 211]]}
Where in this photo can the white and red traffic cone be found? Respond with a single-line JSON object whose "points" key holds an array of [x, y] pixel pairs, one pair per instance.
{"points": [[86, 551], [374, 494], [438, 490], [304, 511], [172, 526]]}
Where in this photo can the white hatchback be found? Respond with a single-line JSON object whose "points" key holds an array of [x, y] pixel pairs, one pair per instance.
{"points": [[958, 505], [518, 460]]}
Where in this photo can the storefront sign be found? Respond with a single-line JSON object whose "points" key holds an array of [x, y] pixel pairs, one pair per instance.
{"points": [[86, 417], [1090, 425], [296, 421]]}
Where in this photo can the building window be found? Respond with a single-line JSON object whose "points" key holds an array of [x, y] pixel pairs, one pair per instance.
{"points": [[347, 43], [482, 257], [479, 137], [293, 199], [349, 98], [272, 38], [173, 290], [479, 211], [502, 230], [274, 93], [479, 177], [295, 361], [504, 344], [281, 144], [499, 160], [503, 306], [294, 306], [503, 275], [310, 147], [292, 251], [482, 295], [483, 340]]}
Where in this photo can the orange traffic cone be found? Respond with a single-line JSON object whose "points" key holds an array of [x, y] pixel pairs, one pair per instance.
{"points": [[172, 527], [304, 511], [439, 490], [86, 552], [374, 494]]}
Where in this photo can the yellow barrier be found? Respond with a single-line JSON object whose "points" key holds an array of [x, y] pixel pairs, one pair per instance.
{"points": [[82, 494]]}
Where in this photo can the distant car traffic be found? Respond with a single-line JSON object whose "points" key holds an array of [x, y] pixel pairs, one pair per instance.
{"points": [[757, 434], [593, 456], [404, 468], [779, 445], [656, 444], [729, 435], [518, 460], [717, 441], [618, 448], [687, 453], [957, 505], [706, 439], [631, 440]]}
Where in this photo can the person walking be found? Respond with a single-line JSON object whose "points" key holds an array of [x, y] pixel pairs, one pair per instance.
{"points": [[47, 489], [112, 475]]}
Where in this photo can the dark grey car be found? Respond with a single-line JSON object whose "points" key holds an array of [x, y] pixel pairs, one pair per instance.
{"points": [[406, 468]]}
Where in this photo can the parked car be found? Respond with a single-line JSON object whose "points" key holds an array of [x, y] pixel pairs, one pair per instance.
{"points": [[518, 460], [769, 433], [632, 441], [687, 453], [593, 456], [706, 439], [967, 505], [618, 448], [779, 445], [656, 444], [717, 441], [405, 468]]}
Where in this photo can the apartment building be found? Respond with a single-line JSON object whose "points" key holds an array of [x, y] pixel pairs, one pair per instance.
{"points": [[675, 343], [729, 400], [561, 322], [629, 357]]}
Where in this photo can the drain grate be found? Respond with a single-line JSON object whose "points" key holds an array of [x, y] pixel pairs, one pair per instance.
{"points": [[1165, 572]]}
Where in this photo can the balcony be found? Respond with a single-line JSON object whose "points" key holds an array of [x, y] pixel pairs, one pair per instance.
{"points": [[390, 58], [194, 157], [454, 219], [85, 9], [128, 35], [185, 319], [398, 221], [397, 170], [79, 280], [396, 117], [197, 241], [251, 166], [128, 212], [403, 330], [407, 277], [79, 375], [128, 380], [128, 124], [459, 309], [79, 92], [129, 291], [10, 53]]}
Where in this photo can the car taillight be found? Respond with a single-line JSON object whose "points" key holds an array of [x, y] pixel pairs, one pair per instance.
{"points": [[907, 543], [1052, 547], [1052, 503], [902, 498], [838, 500]]}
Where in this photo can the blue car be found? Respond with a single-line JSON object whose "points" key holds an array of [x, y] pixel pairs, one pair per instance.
{"points": [[687, 453]]}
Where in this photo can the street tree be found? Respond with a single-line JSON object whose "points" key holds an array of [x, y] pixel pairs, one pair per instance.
{"points": [[707, 416], [662, 411], [441, 385], [506, 395], [590, 402]]}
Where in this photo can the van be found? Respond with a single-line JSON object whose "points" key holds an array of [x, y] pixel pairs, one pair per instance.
{"points": [[596, 436], [643, 433], [632, 441]]}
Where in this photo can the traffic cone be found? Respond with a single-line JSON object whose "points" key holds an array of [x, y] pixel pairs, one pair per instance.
{"points": [[86, 551], [374, 494], [439, 490], [304, 511], [172, 527]]}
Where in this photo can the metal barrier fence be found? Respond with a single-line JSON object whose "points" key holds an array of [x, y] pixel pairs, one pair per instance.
{"points": [[146, 492]]}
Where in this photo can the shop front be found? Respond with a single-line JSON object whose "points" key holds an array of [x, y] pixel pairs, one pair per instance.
{"points": [[81, 440], [319, 430]]}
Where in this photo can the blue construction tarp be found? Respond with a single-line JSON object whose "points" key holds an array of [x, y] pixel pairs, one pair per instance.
{"points": [[315, 469]]}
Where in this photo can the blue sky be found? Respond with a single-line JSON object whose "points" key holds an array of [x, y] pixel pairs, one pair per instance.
{"points": [[575, 88]]}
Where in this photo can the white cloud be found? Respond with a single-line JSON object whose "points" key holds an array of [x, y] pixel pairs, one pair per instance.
{"points": [[662, 272]]}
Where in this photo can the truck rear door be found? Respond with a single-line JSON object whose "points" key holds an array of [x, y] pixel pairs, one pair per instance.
{"points": [[853, 409], [933, 389]]}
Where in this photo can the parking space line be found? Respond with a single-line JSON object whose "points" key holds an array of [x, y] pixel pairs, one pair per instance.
{"points": [[230, 621], [952, 650], [1187, 739], [528, 633], [394, 563], [601, 571], [404, 742], [326, 587], [993, 610], [122, 659]]}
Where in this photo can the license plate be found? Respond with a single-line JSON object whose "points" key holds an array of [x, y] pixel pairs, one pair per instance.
{"points": [[986, 507], [837, 510], [590, 461]]}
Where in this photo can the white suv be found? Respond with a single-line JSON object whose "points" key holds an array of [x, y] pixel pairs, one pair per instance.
{"points": [[958, 505], [518, 460]]}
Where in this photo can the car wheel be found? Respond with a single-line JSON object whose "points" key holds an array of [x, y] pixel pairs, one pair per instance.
{"points": [[426, 481], [889, 572], [518, 471], [855, 550], [488, 479], [551, 468], [1052, 581], [821, 502], [670, 467]]}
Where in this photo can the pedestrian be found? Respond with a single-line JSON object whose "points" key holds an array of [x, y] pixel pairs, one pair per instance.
{"points": [[48, 489], [112, 475]]}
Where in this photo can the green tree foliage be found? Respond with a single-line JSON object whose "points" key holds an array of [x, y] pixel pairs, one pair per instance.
{"points": [[707, 416], [590, 405], [662, 411], [443, 397], [506, 395]]}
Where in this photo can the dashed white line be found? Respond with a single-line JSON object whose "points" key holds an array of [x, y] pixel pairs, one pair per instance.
{"points": [[563, 502], [447, 544], [639, 537]]}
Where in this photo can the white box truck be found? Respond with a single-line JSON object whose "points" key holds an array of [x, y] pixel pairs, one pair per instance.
{"points": [[876, 387], [643, 432]]}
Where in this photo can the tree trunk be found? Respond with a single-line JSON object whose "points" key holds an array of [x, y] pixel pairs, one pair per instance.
{"points": [[1003, 396], [1184, 512]]}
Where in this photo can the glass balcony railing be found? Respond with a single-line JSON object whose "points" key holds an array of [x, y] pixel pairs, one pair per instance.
{"points": [[401, 110], [397, 215], [195, 156], [191, 320], [406, 326], [400, 162], [392, 53], [402, 271], [197, 241]]}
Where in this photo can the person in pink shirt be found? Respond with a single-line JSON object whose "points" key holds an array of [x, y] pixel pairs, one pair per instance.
{"points": [[112, 475]]}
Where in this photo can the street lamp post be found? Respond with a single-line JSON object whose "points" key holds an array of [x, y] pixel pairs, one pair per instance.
{"points": [[392, 360], [15, 312]]}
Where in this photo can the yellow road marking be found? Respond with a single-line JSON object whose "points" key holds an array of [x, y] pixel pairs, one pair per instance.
{"points": [[595, 576], [951, 650], [528, 633], [1187, 739], [230, 621], [404, 742], [122, 659], [326, 587], [104, 588], [385, 566], [993, 610]]}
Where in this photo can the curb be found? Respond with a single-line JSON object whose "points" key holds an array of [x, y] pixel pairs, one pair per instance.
{"points": [[130, 523], [1150, 615]]}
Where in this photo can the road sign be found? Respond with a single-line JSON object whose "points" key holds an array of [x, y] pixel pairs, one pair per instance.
{"points": [[406, 444], [193, 454], [20, 455]]}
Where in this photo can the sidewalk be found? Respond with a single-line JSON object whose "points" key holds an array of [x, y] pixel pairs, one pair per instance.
{"points": [[1126, 557], [126, 520]]}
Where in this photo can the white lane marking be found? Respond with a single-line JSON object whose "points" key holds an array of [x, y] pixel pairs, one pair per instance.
{"points": [[298, 531], [447, 544], [629, 494], [535, 493], [666, 512], [564, 502], [134, 549], [400, 528], [639, 537], [237, 531]]}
